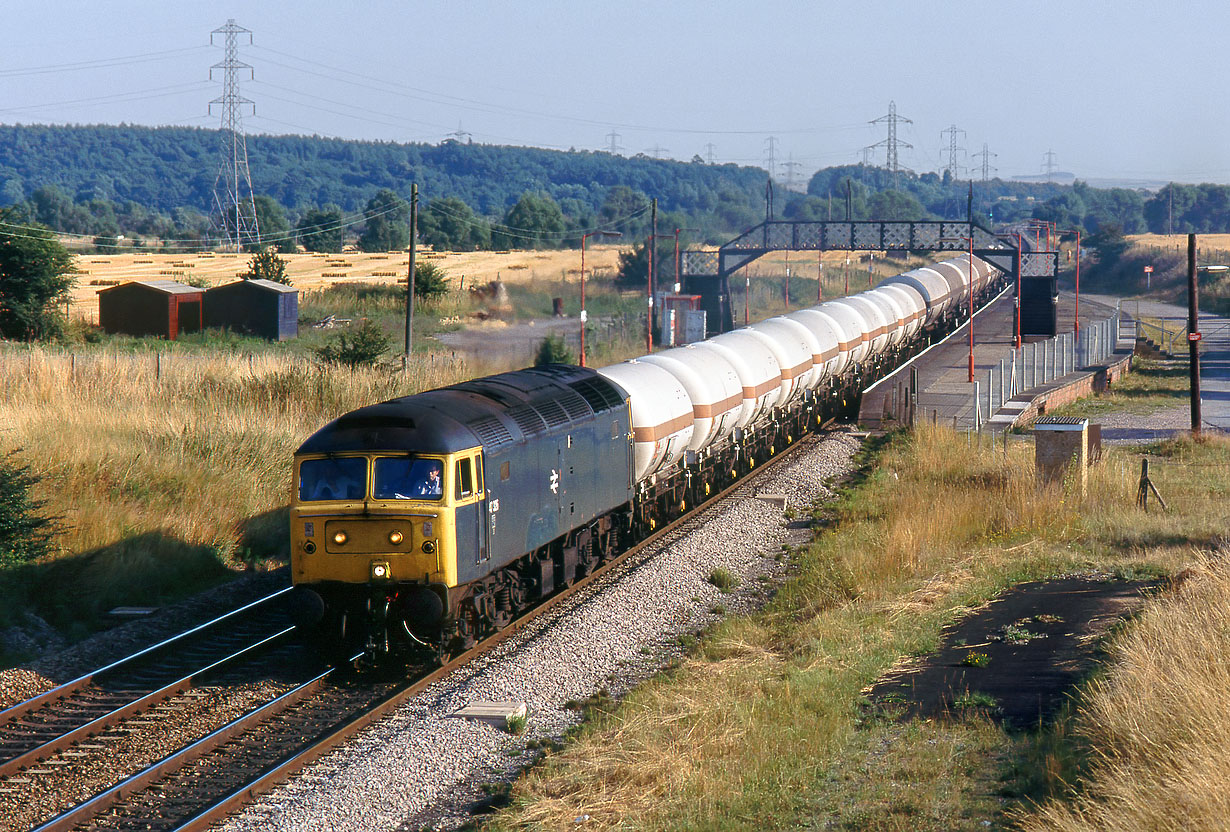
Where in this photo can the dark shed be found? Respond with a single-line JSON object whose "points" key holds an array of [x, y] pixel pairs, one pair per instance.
{"points": [[256, 307], [150, 307]]}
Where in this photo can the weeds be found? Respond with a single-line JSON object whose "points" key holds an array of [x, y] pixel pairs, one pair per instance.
{"points": [[723, 579]]}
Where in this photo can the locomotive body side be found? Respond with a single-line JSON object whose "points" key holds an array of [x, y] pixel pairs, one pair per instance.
{"points": [[524, 465]]}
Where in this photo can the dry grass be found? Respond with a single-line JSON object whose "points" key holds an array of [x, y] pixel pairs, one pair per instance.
{"points": [[1158, 721], [194, 465], [764, 726]]}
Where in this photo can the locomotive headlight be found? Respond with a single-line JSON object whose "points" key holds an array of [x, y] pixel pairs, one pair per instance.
{"points": [[380, 570], [340, 538], [396, 537]]}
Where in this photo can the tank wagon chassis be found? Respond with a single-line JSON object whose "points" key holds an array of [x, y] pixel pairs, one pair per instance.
{"points": [[546, 474]]}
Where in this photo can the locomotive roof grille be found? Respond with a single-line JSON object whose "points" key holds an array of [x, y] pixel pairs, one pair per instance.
{"points": [[491, 431], [528, 419], [552, 412], [576, 406], [598, 393]]}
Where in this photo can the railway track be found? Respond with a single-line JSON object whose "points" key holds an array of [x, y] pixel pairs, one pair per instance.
{"points": [[217, 774]]}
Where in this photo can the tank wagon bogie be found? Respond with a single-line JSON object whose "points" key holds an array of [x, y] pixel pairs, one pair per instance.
{"points": [[428, 521]]}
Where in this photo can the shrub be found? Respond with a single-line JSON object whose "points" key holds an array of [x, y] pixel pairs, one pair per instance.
{"points": [[553, 350], [360, 346], [430, 281], [24, 533]]}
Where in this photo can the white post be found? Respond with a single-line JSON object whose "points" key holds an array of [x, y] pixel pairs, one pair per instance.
{"points": [[977, 409], [990, 392]]}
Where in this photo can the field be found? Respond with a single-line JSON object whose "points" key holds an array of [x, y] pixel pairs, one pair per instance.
{"points": [[544, 270]]}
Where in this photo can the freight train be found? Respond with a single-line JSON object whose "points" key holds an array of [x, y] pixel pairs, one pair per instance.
{"points": [[429, 521]]}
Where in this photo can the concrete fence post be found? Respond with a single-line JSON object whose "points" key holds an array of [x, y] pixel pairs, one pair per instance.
{"points": [[977, 408]]}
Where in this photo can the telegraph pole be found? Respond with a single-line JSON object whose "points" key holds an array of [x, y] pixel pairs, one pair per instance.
{"points": [[1193, 332], [653, 240], [414, 233], [233, 200]]}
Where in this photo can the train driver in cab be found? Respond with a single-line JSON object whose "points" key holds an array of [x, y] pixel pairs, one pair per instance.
{"points": [[431, 485]]}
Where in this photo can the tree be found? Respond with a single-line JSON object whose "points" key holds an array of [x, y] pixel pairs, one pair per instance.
{"points": [[322, 229], [36, 273], [553, 350], [273, 225], [388, 223], [362, 345], [534, 222], [895, 205], [449, 224], [633, 268], [430, 281], [24, 533], [266, 265], [620, 204]]}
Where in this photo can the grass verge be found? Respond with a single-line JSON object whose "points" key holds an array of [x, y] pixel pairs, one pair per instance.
{"points": [[1152, 385], [765, 724], [167, 476]]}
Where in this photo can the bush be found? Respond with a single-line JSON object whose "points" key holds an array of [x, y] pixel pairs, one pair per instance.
{"points": [[362, 345], [430, 281], [266, 265], [24, 533], [553, 350]]}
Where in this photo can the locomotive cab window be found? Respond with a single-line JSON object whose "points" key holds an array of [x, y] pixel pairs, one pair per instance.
{"points": [[464, 479], [333, 478], [408, 478]]}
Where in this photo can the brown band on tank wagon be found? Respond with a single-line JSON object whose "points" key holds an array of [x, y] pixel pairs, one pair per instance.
{"points": [[760, 389], [822, 357], [656, 432], [708, 411], [797, 370]]}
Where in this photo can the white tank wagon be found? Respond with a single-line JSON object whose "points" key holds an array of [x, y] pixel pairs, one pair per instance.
{"points": [[913, 305], [793, 346], [894, 312], [662, 419], [877, 323], [759, 372], [855, 330], [713, 387], [957, 279], [830, 359], [930, 286]]}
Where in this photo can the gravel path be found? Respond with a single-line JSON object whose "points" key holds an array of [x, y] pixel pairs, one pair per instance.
{"points": [[422, 768]]}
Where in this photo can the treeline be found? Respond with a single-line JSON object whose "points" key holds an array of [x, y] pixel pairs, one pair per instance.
{"points": [[132, 186], [169, 173]]}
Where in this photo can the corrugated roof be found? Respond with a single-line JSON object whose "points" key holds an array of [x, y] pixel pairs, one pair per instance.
{"points": [[169, 287]]}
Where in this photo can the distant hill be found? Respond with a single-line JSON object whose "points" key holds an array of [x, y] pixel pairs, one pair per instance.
{"points": [[164, 168]]}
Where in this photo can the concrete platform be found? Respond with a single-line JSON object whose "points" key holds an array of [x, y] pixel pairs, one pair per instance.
{"points": [[945, 394]]}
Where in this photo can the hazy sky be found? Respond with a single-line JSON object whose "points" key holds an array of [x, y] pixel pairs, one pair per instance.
{"points": [[1116, 89]]}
